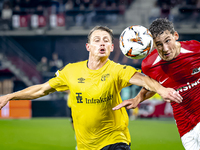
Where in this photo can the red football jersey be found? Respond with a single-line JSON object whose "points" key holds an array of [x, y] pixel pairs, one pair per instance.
{"points": [[183, 74]]}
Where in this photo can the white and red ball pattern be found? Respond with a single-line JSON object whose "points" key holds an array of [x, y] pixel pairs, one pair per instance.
{"points": [[136, 42]]}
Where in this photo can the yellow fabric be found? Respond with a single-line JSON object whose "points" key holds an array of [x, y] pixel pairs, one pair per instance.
{"points": [[156, 97], [94, 93], [69, 101]]}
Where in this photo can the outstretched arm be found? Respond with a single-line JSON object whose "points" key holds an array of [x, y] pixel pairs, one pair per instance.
{"points": [[29, 93], [134, 102], [150, 88], [168, 94]]}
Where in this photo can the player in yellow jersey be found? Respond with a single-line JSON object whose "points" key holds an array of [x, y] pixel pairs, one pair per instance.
{"points": [[95, 86]]}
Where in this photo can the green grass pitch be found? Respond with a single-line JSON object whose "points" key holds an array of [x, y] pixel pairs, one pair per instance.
{"points": [[57, 134]]}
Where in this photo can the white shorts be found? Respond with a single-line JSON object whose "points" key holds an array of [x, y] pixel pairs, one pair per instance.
{"points": [[191, 140]]}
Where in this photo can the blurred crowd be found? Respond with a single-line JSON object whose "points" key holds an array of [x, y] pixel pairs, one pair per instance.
{"points": [[178, 11], [61, 12], [86, 13]]}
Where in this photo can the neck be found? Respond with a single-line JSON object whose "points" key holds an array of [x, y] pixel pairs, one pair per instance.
{"points": [[94, 64], [178, 45]]}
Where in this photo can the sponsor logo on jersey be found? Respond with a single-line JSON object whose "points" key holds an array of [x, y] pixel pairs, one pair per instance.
{"points": [[104, 77], [98, 100], [195, 71], [161, 82], [79, 97], [81, 80], [189, 86]]}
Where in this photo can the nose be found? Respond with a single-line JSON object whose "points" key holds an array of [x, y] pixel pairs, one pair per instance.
{"points": [[102, 44], [165, 47]]}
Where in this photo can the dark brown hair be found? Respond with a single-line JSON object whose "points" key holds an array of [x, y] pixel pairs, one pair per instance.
{"points": [[160, 25]]}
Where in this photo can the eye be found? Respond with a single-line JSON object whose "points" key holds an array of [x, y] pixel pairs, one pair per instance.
{"points": [[96, 40], [106, 40], [159, 45], [167, 40]]}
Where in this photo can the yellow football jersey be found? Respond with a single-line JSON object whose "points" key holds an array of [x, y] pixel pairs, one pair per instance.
{"points": [[94, 93]]}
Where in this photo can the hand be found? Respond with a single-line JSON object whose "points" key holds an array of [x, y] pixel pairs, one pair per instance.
{"points": [[169, 95], [129, 104], [3, 101]]}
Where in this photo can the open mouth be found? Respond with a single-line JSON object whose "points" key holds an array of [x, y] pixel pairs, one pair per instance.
{"points": [[102, 50], [167, 54]]}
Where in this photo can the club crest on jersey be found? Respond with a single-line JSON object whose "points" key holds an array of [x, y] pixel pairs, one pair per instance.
{"points": [[81, 80], [104, 77], [79, 97]]}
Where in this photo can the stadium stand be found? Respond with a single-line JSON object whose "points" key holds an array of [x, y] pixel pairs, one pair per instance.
{"points": [[33, 29]]}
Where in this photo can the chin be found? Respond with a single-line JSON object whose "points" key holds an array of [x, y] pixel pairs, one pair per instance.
{"points": [[168, 59]]}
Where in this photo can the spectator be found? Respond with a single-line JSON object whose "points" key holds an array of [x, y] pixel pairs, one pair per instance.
{"points": [[17, 7], [154, 12], [6, 15], [80, 16], [43, 68], [89, 13], [69, 5], [43, 65], [112, 13], [54, 6], [55, 63]]}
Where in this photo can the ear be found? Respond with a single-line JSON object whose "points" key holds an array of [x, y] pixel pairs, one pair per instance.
{"points": [[87, 46], [154, 45], [176, 35], [112, 48]]}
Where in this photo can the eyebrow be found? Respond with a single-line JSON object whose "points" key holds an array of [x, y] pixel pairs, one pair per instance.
{"points": [[105, 37], [96, 37], [164, 40]]}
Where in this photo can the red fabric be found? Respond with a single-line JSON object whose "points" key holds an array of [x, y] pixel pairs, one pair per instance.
{"points": [[182, 74]]}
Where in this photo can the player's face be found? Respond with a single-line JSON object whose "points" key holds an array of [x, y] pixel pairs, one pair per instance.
{"points": [[100, 44], [167, 46]]}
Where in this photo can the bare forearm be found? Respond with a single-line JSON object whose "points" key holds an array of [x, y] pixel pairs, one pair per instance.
{"points": [[28, 93], [168, 94], [146, 82], [133, 102], [152, 87], [144, 94], [31, 92]]}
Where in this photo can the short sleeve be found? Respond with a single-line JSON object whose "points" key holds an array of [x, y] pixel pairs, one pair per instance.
{"points": [[59, 82], [125, 74]]}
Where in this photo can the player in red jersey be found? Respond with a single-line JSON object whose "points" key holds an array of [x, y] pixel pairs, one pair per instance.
{"points": [[175, 64]]}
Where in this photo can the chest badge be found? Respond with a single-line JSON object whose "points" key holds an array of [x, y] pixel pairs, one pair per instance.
{"points": [[104, 77], [81, 80]]}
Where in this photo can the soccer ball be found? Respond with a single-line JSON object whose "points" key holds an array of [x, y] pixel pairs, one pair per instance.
{"points": [[136, 42]]}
